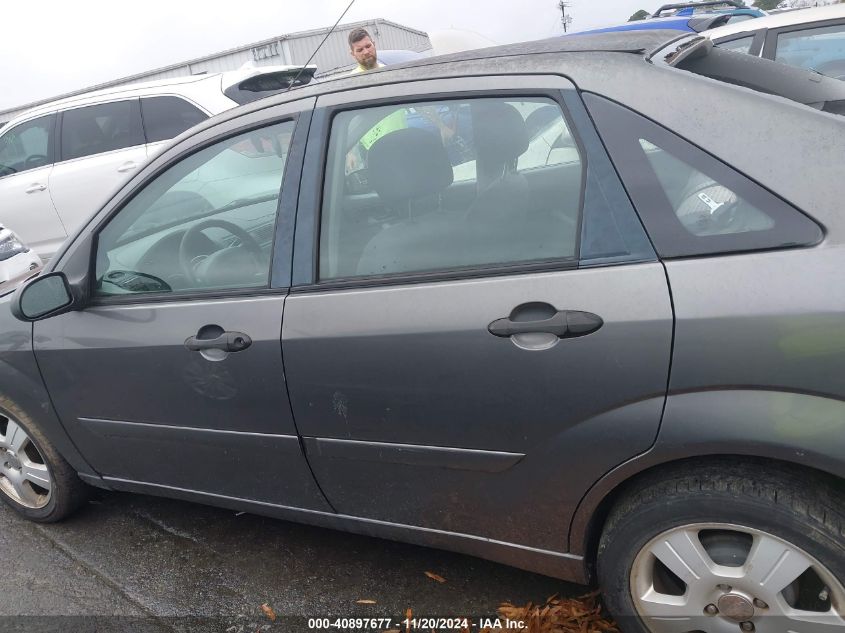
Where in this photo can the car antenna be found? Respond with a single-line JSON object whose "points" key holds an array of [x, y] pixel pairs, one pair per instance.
{"points": [[331, 30]]}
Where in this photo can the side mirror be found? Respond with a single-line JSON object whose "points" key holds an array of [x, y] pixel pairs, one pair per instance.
{"points": [[43, 297]]}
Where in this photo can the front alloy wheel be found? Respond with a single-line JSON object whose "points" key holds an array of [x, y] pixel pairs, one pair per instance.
{"points": [[35, 480], [24, 475]]}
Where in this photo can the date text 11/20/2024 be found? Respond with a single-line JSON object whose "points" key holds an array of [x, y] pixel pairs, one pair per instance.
{"points": [[415, 623]]}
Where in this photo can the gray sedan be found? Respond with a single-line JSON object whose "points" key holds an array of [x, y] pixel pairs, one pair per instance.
{"points": [[568, 306]]}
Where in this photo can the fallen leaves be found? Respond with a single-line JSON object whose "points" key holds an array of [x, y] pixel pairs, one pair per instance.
{"points": [[560, 615], [268, 611], [434, 576]]}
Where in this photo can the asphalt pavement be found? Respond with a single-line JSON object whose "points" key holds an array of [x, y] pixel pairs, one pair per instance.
{"points": [[137, 563]]}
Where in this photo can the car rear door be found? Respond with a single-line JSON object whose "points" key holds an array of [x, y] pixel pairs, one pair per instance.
{"points": [[172, 379], [478, 326]]}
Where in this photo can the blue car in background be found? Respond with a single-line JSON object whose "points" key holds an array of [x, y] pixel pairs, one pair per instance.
{"points": [[689, 16]]}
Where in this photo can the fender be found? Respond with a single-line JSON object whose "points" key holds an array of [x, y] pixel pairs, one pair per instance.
{"points": [[20, 382], [800, 428]]}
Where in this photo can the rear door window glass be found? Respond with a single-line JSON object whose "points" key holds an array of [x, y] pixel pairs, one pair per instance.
{"points": [[167, 117], [101, 128], [27, 146], [448, 185]]}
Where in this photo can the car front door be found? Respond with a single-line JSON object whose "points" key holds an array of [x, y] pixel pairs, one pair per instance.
{"points": [[172, 378], [817, 46], [478, 327], [26, 160], [101, 146]]}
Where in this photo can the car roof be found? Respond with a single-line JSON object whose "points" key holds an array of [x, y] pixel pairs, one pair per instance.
{"points": [[790, 18], [613, 65]]}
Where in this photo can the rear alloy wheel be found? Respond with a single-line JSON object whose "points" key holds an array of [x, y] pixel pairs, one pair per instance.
{"points": [[729, 550], [34, 479], [722, 577]]}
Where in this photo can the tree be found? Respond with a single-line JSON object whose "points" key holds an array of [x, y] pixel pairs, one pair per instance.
{"points": [[642, 14], [767, 5]]}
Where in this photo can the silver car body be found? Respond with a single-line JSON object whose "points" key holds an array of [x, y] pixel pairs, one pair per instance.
{"points": [[385, 406]]}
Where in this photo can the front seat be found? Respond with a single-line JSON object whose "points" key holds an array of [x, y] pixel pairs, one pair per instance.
{"points": [[404, 167]]}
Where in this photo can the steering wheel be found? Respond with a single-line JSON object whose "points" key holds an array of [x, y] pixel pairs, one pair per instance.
{"points": [[186, 258], [35, 160]]}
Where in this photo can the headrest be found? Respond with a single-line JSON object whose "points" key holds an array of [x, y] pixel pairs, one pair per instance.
{"points": [[498, 130], [409, 163]]}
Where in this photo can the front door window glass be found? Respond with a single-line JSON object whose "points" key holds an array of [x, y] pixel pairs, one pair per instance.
{"points": [[206, 223], [821, 50], [26, 146]]}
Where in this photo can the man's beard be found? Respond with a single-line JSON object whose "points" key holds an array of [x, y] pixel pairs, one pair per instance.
{"points": [[370, 62]]}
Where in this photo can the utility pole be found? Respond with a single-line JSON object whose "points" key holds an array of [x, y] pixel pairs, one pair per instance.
{"points": [[565, 19]]}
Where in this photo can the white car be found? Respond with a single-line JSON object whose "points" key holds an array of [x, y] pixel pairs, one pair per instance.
{"points": [[808, 38], [16, 258], [60, 161]]}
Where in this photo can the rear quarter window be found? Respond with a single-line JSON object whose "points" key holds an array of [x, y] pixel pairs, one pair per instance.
{"points": [[690, 202], [167, 117]]}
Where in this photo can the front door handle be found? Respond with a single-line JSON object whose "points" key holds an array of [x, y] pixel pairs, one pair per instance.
{"points": [[127, 166], [227, 342], [36, 187], [564, 324]]}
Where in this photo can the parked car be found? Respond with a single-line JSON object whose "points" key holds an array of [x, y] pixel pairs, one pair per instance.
{"points": [[618, 359], [736, 9], [61, 160], [809, 38], [16, 258], [691, 17]]}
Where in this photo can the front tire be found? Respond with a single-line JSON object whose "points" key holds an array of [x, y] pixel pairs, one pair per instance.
{"points": [[35, 480], [729, 548]]}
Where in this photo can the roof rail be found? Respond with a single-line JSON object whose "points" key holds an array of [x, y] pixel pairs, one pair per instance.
{"points": [[705, 3]]}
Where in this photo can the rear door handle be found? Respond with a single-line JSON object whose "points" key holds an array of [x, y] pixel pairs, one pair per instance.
{"points": [[127, 166], [228, 342], [36, 187], [564, 324]]}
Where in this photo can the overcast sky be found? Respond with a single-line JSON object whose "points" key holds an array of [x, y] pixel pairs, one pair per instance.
{"points": [[61, 46]]}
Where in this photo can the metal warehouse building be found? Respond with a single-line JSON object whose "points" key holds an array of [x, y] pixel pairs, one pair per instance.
{"points": [[294, 48]]}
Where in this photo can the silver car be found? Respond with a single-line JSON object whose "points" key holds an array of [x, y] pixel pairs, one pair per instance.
{"points": [[567, 305]]}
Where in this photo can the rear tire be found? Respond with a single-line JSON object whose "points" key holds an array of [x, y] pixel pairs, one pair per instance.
{"points": [[35, 480], [706, 548]]}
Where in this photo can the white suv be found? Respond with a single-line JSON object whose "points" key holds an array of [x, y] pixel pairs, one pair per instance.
{"points": [[60, 161]]}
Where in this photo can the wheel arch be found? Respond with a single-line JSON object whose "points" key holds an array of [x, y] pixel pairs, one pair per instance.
{"points": [[22, 387], [594, 509]]}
